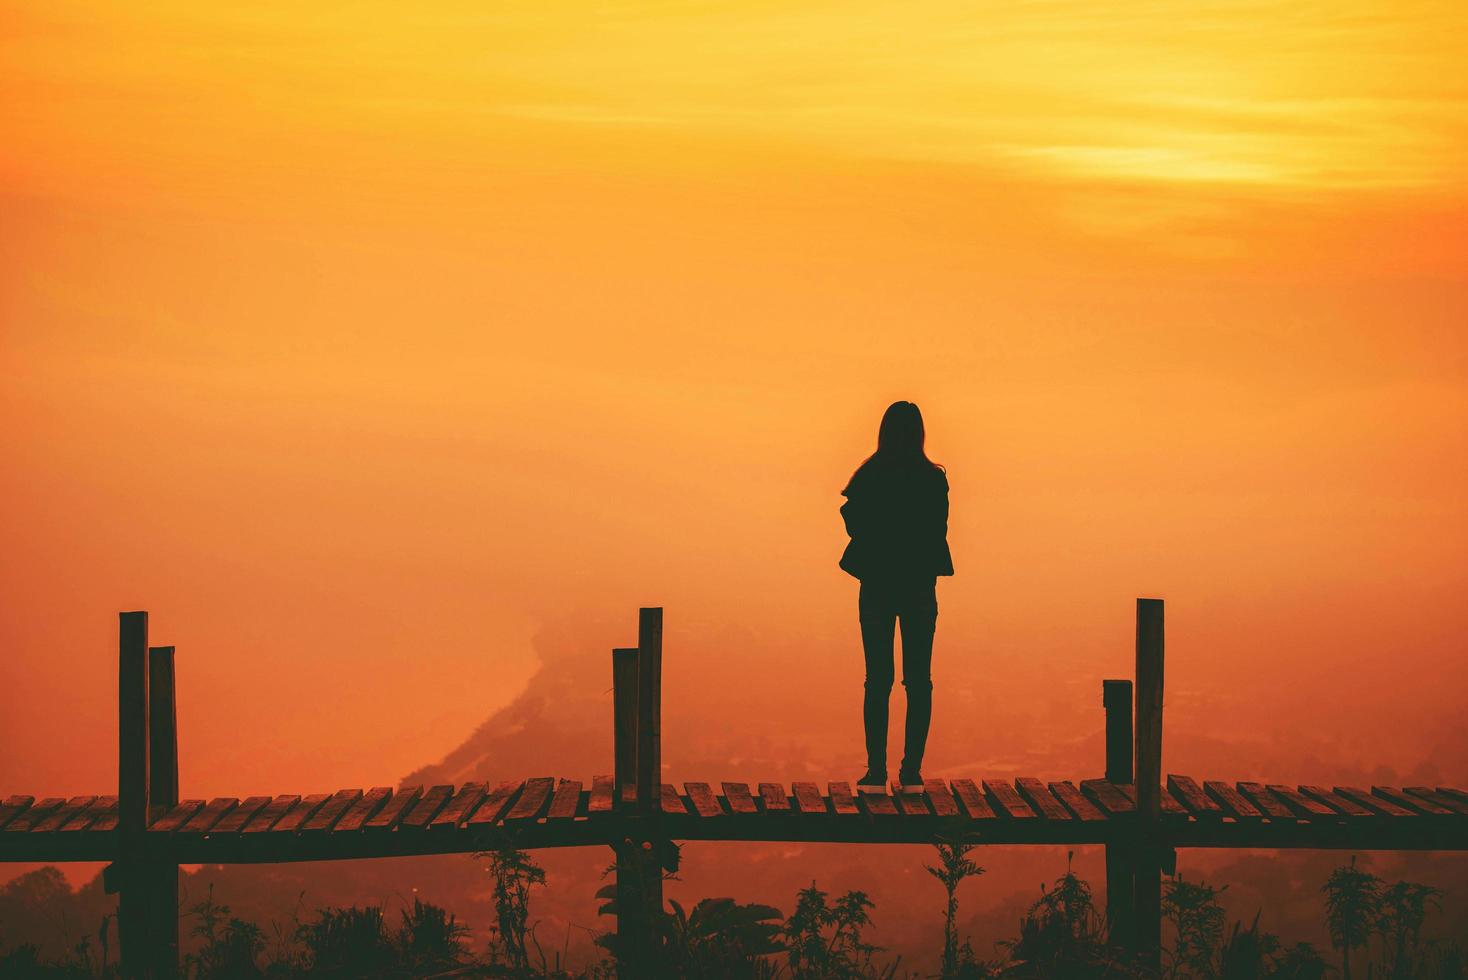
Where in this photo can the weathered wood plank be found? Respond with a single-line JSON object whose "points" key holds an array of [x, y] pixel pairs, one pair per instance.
{"points": [[808, 798], [1005, 800], [1261, 797], [13, 807], [457, 810], [909, 804], [1409, 802], [738, 797], [299, 814], [497, 803], [331, 811], [39, 811], [271, 813], [1340, 804], [58, 817], [213, 812], [1459, 807], [772, 795], [1108, 796], [705, 803], [973, 801], [87, 817], [876, 804], [1187, 791], [602, 789], [941, 798], [843, 802], [427, 807], [1457, 794], [669, 800], [363, 810], [533, 799], [1302, 805], [566, 801], [1231, 800], [1084, 810], [1166, 801], [1379, 806], [236, 820], [1039, 797], [106, 820], [177, 816]]}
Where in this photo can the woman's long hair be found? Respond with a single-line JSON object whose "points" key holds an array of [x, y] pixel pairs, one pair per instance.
{"points": [[900, 440]]}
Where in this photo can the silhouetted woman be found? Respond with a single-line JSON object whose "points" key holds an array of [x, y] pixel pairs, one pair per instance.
{"points": [[896, 512]]}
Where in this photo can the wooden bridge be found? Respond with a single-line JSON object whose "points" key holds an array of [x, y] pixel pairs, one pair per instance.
{"points": [[148, 831]]}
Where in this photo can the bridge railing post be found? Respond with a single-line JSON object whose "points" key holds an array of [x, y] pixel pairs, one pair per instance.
{"points": [[133, 791], [1116, 698], [650, 776], [1147, 886], [631, 923], [161, 870]]}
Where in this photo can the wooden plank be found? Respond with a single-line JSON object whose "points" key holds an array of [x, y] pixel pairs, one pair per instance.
{"points": [[1456, 794], [363, 810], [1108, 796], [299, 814], [565, 801], [941, 798], [106, 820], [1083, 809], [13, 807], [81, 821], [669, 800], [398, 806], [1231, 800], [1409, 802], [176, 817], [843, 802], [271, 813], [38, 812], [876, 804], [1301, 805], [532, 799], [1169, 803], [600, 801], [58, 817], [808, 798], [973, 801], [1444, 800], [427, 807], [705, 803], [1340, 804], [1003, 798], [331, 811], [1185, 789], [213, 812], [909, 804], [1041, 799], [499, 800], [774, 798], [458, 809], [237, 819], [1377, 805], [1272, 808], [739, 799]]}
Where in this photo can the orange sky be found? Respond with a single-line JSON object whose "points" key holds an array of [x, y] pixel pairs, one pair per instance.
{"points": [[358, 342]]}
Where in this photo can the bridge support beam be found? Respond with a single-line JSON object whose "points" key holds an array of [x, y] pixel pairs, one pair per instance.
{"points": [[1147, 882], [1116, 698], [127, 876], [160, 872]]}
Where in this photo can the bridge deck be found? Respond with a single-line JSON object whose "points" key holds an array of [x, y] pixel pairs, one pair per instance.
{"points": [[543, 812]]}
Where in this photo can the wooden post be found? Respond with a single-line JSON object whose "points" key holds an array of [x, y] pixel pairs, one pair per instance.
{"points": [[631, 922], [1116, 698], [133, 789], [650, 779], [161, 872], [1147, 887]]}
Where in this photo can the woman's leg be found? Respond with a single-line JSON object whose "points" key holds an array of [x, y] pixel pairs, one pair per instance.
{"points": [[878, 622], [919, 620]]}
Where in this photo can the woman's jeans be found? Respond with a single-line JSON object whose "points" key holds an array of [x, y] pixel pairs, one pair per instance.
{"points": [[882, 604]]}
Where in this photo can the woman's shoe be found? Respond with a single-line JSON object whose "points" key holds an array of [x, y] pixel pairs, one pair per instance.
{"points": [[911, 781], [875, 781]]}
